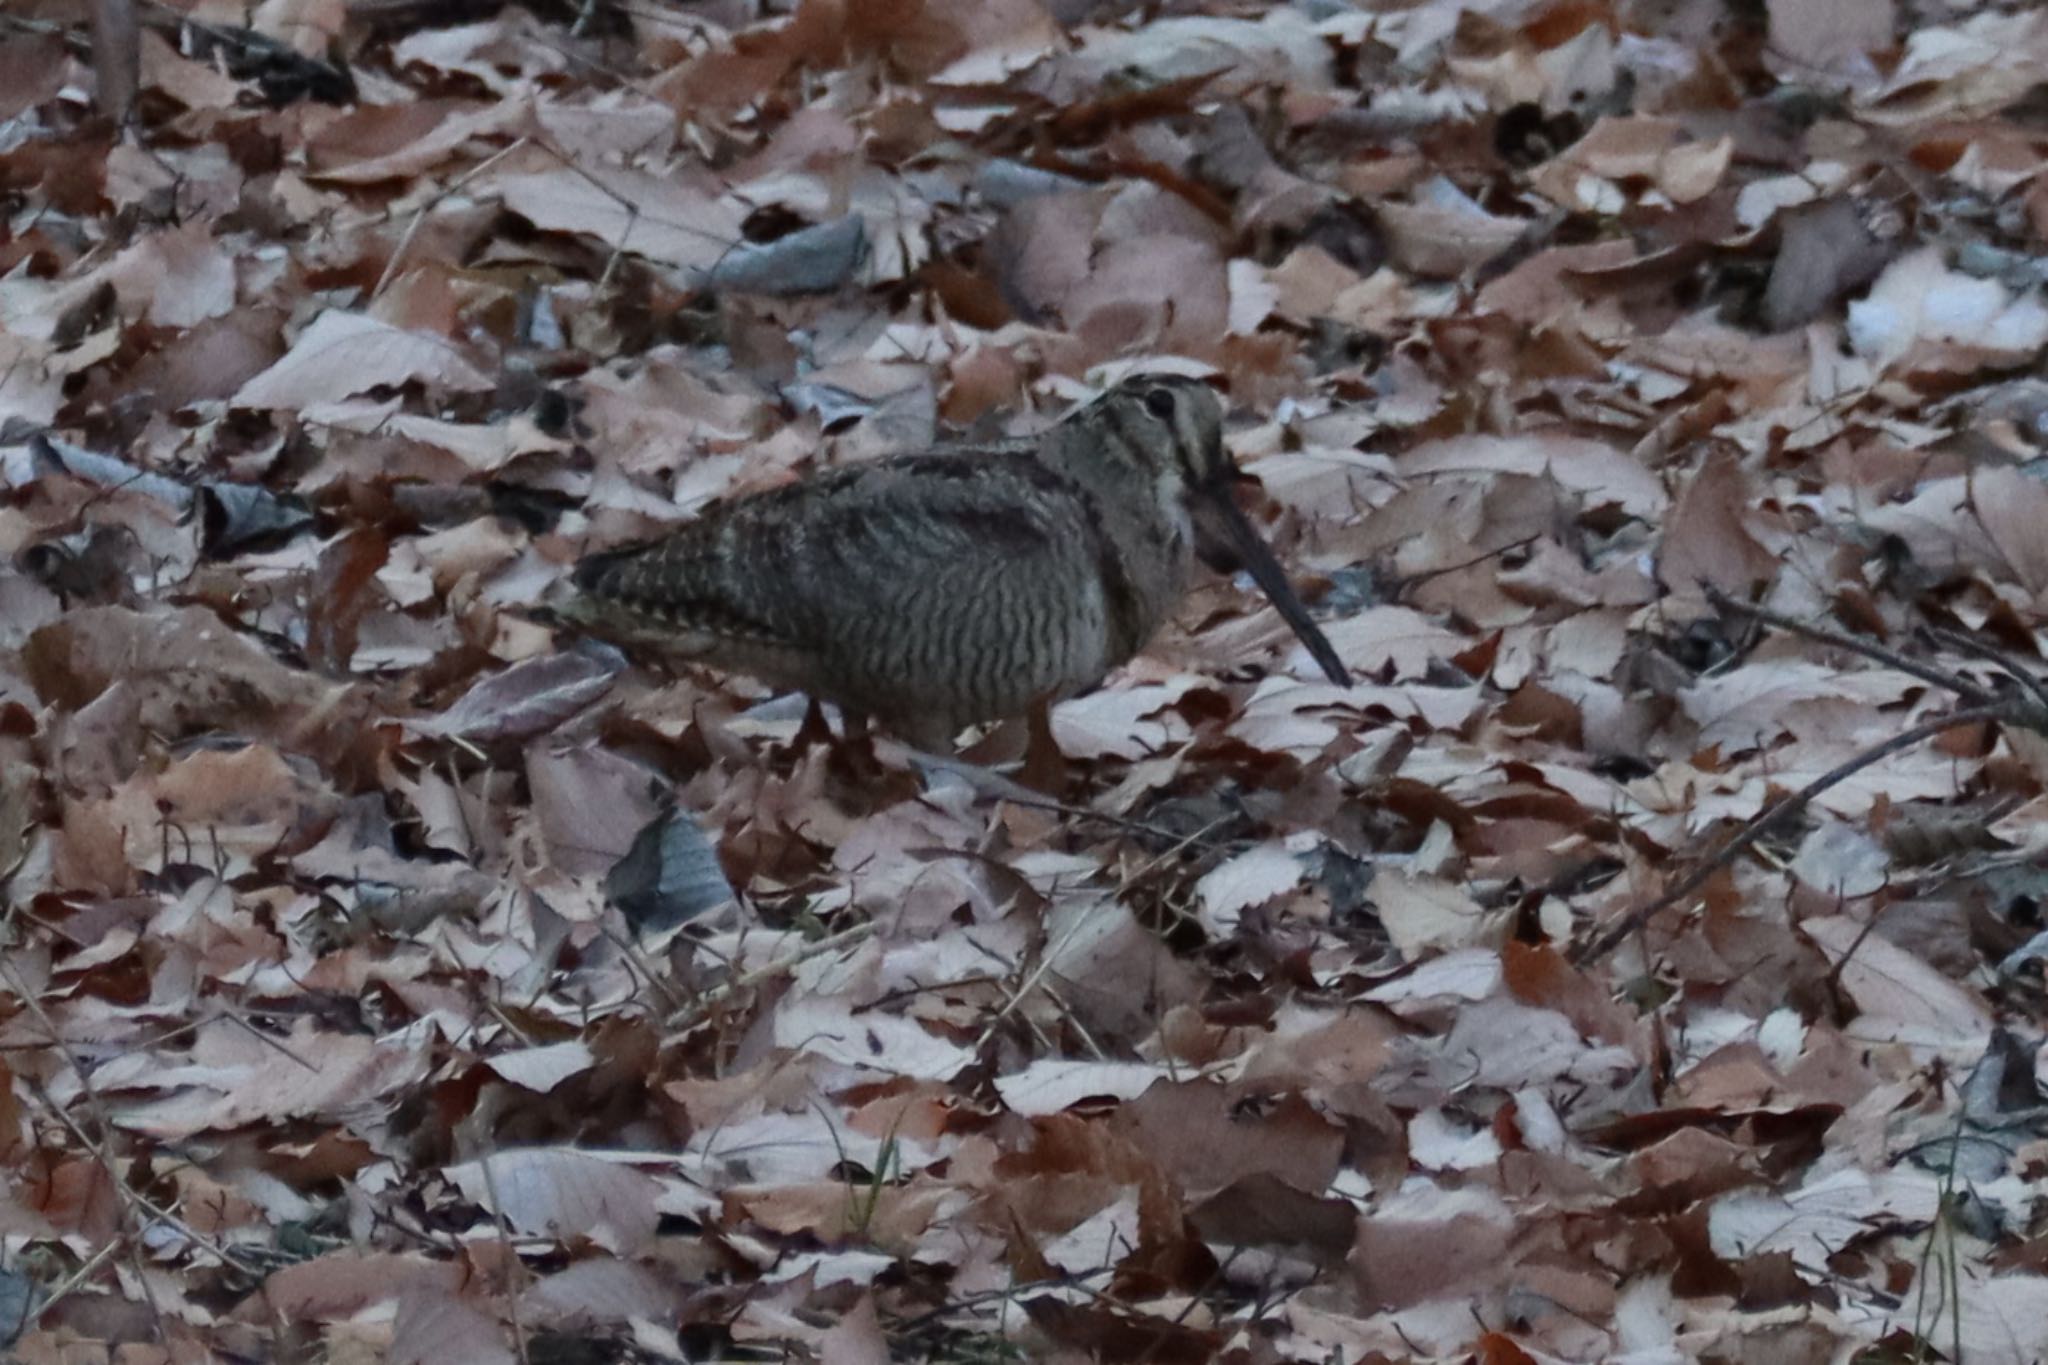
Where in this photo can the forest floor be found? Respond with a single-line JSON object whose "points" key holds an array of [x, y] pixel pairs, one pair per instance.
{"points": [[388, 977]]}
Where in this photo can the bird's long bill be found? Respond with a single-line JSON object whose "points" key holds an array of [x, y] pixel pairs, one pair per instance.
{"points": [[1226, 521]]}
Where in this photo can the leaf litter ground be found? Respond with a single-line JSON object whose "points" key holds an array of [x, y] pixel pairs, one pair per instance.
{"points": [[387, 978]]}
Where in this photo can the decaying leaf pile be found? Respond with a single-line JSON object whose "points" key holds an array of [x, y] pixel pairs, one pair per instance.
{"points": [[388, 978]]}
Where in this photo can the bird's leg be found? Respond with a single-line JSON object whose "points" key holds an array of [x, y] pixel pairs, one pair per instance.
{"points": [[853, 754], [814, 730], [849, 756]]}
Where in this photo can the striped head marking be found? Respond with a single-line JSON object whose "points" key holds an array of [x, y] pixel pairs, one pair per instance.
{"points": [[1173, 425]]}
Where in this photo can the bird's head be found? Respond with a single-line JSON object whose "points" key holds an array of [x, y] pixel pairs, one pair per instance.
{"points": [[1170, 427]]}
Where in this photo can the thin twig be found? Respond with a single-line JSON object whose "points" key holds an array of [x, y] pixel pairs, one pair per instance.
{"points": [[512, 1272], [100, 1149], [80, 1276], [1077, 1279], [700, 1007], [1943, 678], [223, 1252], [1777, 812], [1408, 584], [1834, 977], [419, 217], [1052, 950], [497, 1011], [639, 968], [2024, 677], [1066, 1012]]}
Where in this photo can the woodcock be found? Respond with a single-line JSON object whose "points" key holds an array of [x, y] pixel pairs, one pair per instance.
{"points": [[931, 592]]}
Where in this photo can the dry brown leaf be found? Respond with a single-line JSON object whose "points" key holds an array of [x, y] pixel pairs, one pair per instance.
{"points": [[234, 1078], [1707, 539], [509, 290]]}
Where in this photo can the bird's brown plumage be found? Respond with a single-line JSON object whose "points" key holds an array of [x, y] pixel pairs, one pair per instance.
{"points": [[934, 591]]}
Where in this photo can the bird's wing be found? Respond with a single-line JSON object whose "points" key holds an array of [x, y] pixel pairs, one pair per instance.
{"points": [[792, 567]]}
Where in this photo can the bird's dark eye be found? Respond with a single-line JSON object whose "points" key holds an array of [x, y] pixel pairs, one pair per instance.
{"points": [[1159, 402]]}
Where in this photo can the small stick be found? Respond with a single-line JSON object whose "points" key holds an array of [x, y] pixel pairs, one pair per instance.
{"points": [[1891, 658], [1777, 811], [726, 990], [1971, 645]]}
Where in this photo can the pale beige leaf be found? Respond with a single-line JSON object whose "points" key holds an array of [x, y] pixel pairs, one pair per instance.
{"points": [[560, 1192], [1900, 996], [1251, 878], [543, 1068], [1049, 1086], [342, 354]]}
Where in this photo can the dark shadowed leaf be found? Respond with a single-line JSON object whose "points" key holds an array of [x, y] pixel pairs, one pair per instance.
{"points": [[810, 260], [1828, 249], [235, 517], [670, 875], [17, 1297]]}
